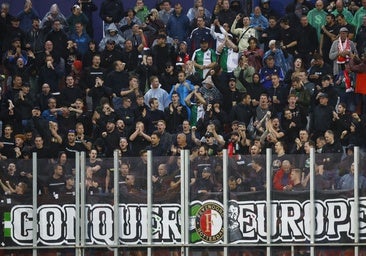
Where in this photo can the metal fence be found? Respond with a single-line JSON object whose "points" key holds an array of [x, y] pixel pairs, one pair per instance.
{"points": [[144, 217]]}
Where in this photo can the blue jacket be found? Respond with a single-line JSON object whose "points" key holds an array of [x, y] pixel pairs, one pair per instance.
{"points": [[26, 19], [82, 42], [178, 26], [265, 75], [258, 21]]}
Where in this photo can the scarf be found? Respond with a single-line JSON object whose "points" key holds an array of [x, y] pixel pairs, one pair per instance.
{"points": [[345, 46]]}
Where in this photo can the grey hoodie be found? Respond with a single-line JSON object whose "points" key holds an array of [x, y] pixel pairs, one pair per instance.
{"points": [[117, 38]]}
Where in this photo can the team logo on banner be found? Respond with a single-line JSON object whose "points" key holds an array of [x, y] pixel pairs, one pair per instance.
{"points": [[209, 222], [291, 222]]}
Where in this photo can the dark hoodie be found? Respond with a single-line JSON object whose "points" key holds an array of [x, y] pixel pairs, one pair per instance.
{"points": [[237, 7], [111, 8]]}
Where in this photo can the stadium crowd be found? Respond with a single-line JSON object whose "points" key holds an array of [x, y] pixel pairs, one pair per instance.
{"points": [[166, 79], [241, 78]]}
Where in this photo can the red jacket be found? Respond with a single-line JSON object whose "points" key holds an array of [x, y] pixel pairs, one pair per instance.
{"points": [[279, 180], [359, 67]]}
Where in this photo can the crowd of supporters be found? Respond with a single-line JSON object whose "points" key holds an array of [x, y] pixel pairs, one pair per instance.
{"points": [[166, 79], [241, 78]]}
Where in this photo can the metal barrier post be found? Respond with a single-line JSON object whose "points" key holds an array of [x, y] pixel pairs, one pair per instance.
{"points": [[149, 201], [35, 202], [116, 202], [182, 202], [268, 198], [225, 188], [356, 197], [186, 201], [312, 201], [82, 189], [78, 223]]}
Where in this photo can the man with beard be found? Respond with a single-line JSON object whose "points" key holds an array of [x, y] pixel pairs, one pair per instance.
{"points": [[238, 145], [329, 33], [341, 120], [200, 162], [71, 147], [111, 137], [319, 69], [261, 113], [130, 56], [234, 226]]}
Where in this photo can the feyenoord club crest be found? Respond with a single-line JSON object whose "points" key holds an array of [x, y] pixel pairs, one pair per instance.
{"points": [[209, 222]]}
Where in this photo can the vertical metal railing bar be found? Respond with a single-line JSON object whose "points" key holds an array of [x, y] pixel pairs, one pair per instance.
{"points": [[182, 202], [83, 227], [35, 202], [115, 202], [312, 201], [356, 197], [268, 199], [225, 200], [149, 201], [78, 224], [187, 201]]}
